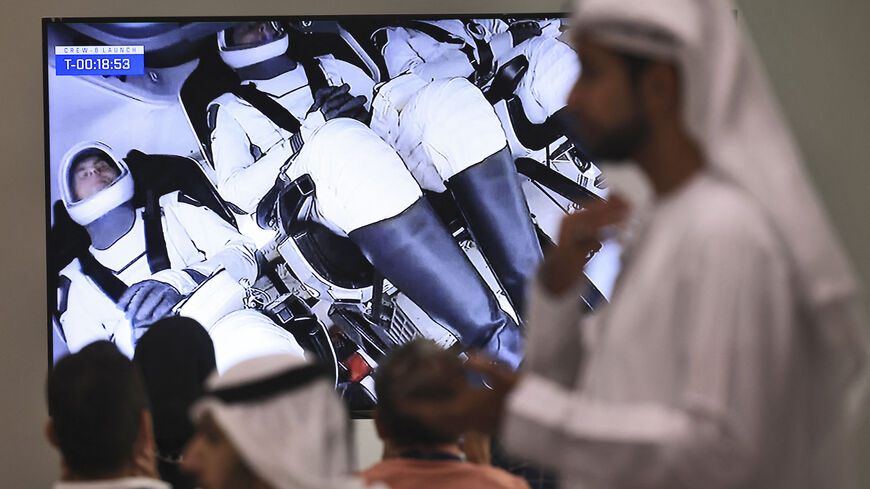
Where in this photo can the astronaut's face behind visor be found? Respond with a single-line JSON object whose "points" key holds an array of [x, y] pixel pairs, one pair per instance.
{"points": [[249, 34], [91, 174]]}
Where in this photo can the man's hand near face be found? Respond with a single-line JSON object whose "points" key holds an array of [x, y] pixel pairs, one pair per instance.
{"points": [[580, 235]]}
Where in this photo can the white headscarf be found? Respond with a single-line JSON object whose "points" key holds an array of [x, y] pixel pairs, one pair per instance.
{"points": [[295, 438], [733, 116]]}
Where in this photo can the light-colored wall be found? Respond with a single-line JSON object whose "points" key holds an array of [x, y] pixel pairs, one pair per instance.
{"points": [[816, 55], [813, 50]]}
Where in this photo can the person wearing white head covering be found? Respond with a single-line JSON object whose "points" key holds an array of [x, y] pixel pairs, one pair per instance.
{"points": [[273, 422], [733, 352]]}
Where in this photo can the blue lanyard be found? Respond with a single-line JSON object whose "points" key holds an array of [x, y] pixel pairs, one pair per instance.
{"points": [[419, 455]]}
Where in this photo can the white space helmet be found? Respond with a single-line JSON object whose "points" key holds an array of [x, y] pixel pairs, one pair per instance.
{"points": [[239, 56], [86, 211]]}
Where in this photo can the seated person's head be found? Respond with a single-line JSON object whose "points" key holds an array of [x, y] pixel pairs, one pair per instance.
{"points": [[93, 181], [417, 372], [249, 43], [253, 33], [175, 356], [99, 415], [270, 422]]}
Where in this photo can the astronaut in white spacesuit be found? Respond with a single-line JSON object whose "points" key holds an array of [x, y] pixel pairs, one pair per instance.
{"points": [[138, 269], [444, 133], [477, 48]]}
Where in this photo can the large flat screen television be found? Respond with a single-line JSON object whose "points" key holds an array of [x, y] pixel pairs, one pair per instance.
{"points": [[332, 185]]}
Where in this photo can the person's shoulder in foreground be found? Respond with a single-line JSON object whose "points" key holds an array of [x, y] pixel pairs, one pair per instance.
{"points": [[710, 213], [421, 372], [125, 483], [270, 422], [100, 422], [400, 473]]}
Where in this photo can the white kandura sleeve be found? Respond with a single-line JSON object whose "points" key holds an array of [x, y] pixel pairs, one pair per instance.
{"points": [[554, 345], [242, 180], [737, 347]]}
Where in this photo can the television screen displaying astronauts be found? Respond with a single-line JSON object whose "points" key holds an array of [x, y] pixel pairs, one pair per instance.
{"points": [[326, 187]]}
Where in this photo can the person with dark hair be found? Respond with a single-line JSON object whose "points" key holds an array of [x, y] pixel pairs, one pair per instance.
{"points": [[175, 356], [100, 421], [417, 456], [271, 422], [733, 354]]}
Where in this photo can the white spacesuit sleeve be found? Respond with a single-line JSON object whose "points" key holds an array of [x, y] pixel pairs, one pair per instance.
{"points": [[222, 244], [501, 44], [738, 349], [551, 27], [408, 50], [493, 26], [338, 72], [180, 281], [80, 329], [399, 55], [242, 180], [452, 63], [79, 322], [553, 70], [498, 37]]}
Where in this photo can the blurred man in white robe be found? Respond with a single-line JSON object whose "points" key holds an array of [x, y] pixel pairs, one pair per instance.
{"points": [[733, 352]]}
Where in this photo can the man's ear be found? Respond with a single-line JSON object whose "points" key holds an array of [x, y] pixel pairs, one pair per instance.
{"points": [[661, 88], [389, 449], [146, 430], [50, 435], [145, 449], [379, 427]]}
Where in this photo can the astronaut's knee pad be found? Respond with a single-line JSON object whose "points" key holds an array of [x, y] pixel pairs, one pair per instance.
{"points": [[458, 126], [359, 179], [246, 334]]}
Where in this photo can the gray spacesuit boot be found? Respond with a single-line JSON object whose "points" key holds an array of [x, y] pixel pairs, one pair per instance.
{"points": [[414, 251], [492, 201]]}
